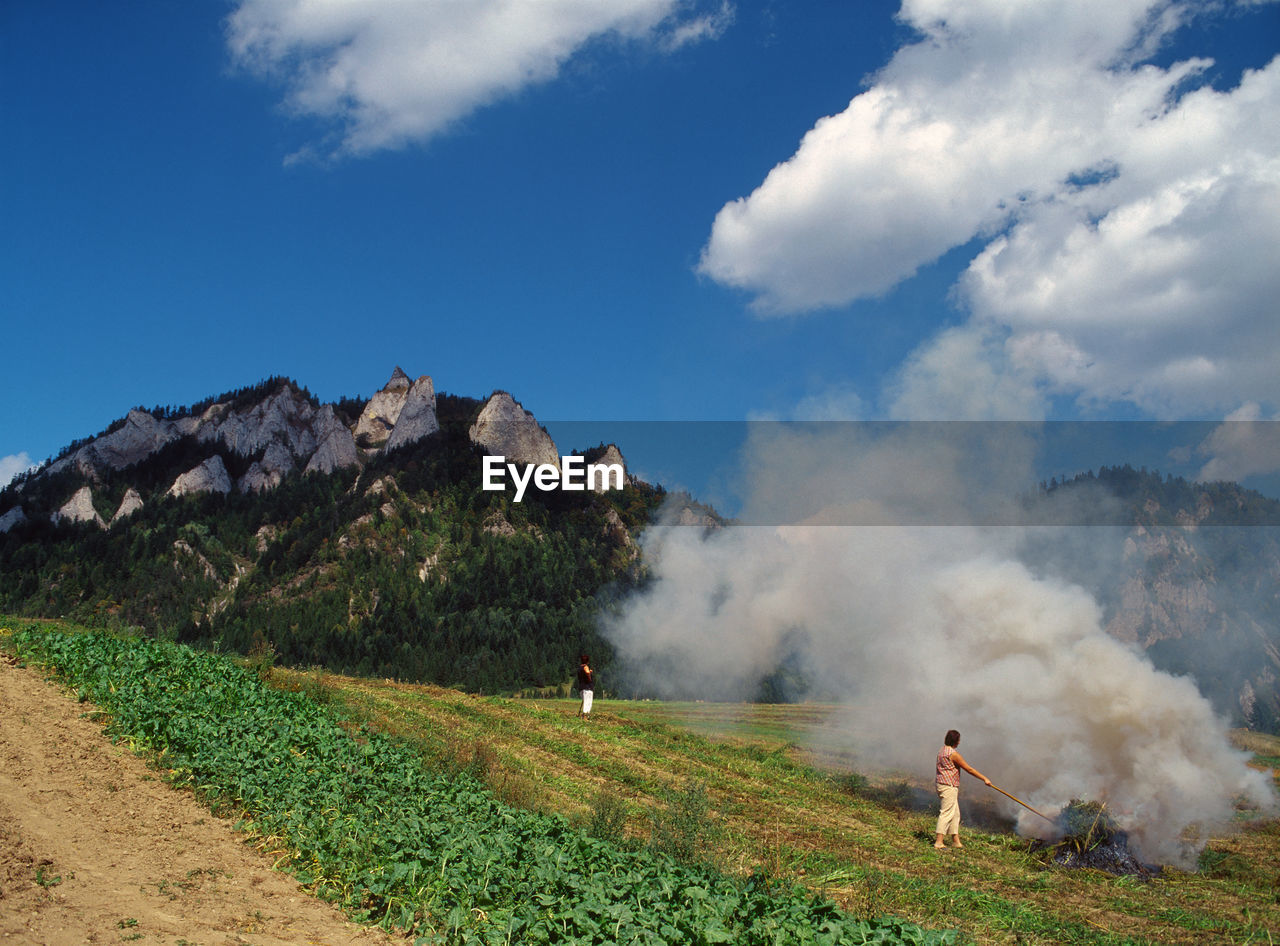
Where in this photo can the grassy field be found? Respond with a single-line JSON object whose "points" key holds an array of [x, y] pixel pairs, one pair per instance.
{"points": [[801, 817], [362, 819]]}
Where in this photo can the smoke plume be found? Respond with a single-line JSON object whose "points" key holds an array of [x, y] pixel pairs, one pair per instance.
{"points": [[916, 628]]}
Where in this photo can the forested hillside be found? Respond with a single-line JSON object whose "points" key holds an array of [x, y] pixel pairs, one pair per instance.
{"points": [[402, 567], [1192, 576], [356, 536]]}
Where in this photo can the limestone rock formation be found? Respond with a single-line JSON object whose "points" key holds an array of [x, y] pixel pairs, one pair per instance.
{"points": [[209, 477], [615, 530], [11, 518], [417, 418], [267, 473], [383, 410], [264, 537], [611, 456], [337, 447], [285, 420], [79, 508], [141, 436], [505, 428], [431, 566], [498, 524], [284, 417], [130, 504]]}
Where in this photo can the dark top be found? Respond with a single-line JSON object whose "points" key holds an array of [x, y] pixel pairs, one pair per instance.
{"points": [[586, 679]]}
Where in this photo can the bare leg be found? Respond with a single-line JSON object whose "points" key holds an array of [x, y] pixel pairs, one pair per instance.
{"points": [[938, 843], [955, 841]]}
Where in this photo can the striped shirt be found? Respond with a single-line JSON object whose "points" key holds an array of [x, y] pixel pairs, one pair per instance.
{"points": [[948, 771]]}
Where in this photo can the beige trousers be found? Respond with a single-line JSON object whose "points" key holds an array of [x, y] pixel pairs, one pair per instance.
{"points": [[949, 811]]}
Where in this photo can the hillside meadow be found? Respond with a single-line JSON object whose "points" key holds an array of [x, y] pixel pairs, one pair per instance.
{"points": [[805, 816], [709, 790]]}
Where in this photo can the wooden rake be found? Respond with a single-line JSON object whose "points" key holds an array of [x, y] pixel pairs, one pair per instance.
{"points": [[1023, 804]]}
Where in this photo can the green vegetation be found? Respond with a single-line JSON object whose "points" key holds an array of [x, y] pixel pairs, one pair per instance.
{"points": [[784, 816], [1216, 543], [808, 816], [359, 818], [407, 570], [1086, 824]]}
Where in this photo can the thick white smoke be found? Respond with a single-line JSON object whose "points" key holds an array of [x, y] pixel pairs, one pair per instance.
{"points": [[922, 628]]}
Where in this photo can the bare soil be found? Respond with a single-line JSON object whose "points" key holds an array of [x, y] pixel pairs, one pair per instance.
{"points": [[96, 848]]}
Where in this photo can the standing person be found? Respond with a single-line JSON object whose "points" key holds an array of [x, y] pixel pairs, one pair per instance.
{"points": [[950, 762], [586, 684]]}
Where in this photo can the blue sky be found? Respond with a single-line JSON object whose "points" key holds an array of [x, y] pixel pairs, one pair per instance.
{"points": [[646, 209]]}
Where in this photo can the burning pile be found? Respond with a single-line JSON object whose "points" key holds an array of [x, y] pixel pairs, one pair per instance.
{"points": [[1091, 839]]}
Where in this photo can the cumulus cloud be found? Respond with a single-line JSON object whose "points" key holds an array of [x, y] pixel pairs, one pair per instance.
{"points": [[1157, 287], [389, 73], [1129, 211], [13, 465], [964, 373], [1245, 444]]}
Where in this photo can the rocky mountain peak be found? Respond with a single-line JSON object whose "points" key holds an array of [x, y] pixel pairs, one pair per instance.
{"points": [[507, 429], [383, 410], [284, 417], [337, 445], [610, 457], [140, 436], [417, 418]]}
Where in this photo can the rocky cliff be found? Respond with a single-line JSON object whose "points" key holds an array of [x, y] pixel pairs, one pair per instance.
{"points": [[268, 433], [79, 508], [140, 436], [417, 417], [504, 428], [383, 410], [1195, 586], [209, 477], [610, 456], [130, 504], [283, 426]]}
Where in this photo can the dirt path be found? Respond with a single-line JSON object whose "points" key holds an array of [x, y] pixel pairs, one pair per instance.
{"points": [[94, 848]]}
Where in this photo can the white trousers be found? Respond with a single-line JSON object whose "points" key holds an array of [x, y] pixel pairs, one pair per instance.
{"points": [[586, 700], [949, 809]]}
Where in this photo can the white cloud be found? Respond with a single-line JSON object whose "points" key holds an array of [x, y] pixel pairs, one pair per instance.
{"points": [[1158, 287], [390, 73], [1131, 225], [711, 26], [12, 465], [1245, 444], [964, 373]]}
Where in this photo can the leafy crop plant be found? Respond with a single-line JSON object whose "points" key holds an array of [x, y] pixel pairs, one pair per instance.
{"points": [[357, 817]]}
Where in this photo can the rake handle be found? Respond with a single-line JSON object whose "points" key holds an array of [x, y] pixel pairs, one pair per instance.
{"points": [[1023, 803]]}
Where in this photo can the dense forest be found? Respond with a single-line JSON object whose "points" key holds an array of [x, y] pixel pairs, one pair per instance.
{"points": [[1188, 572], [404, 568]]}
